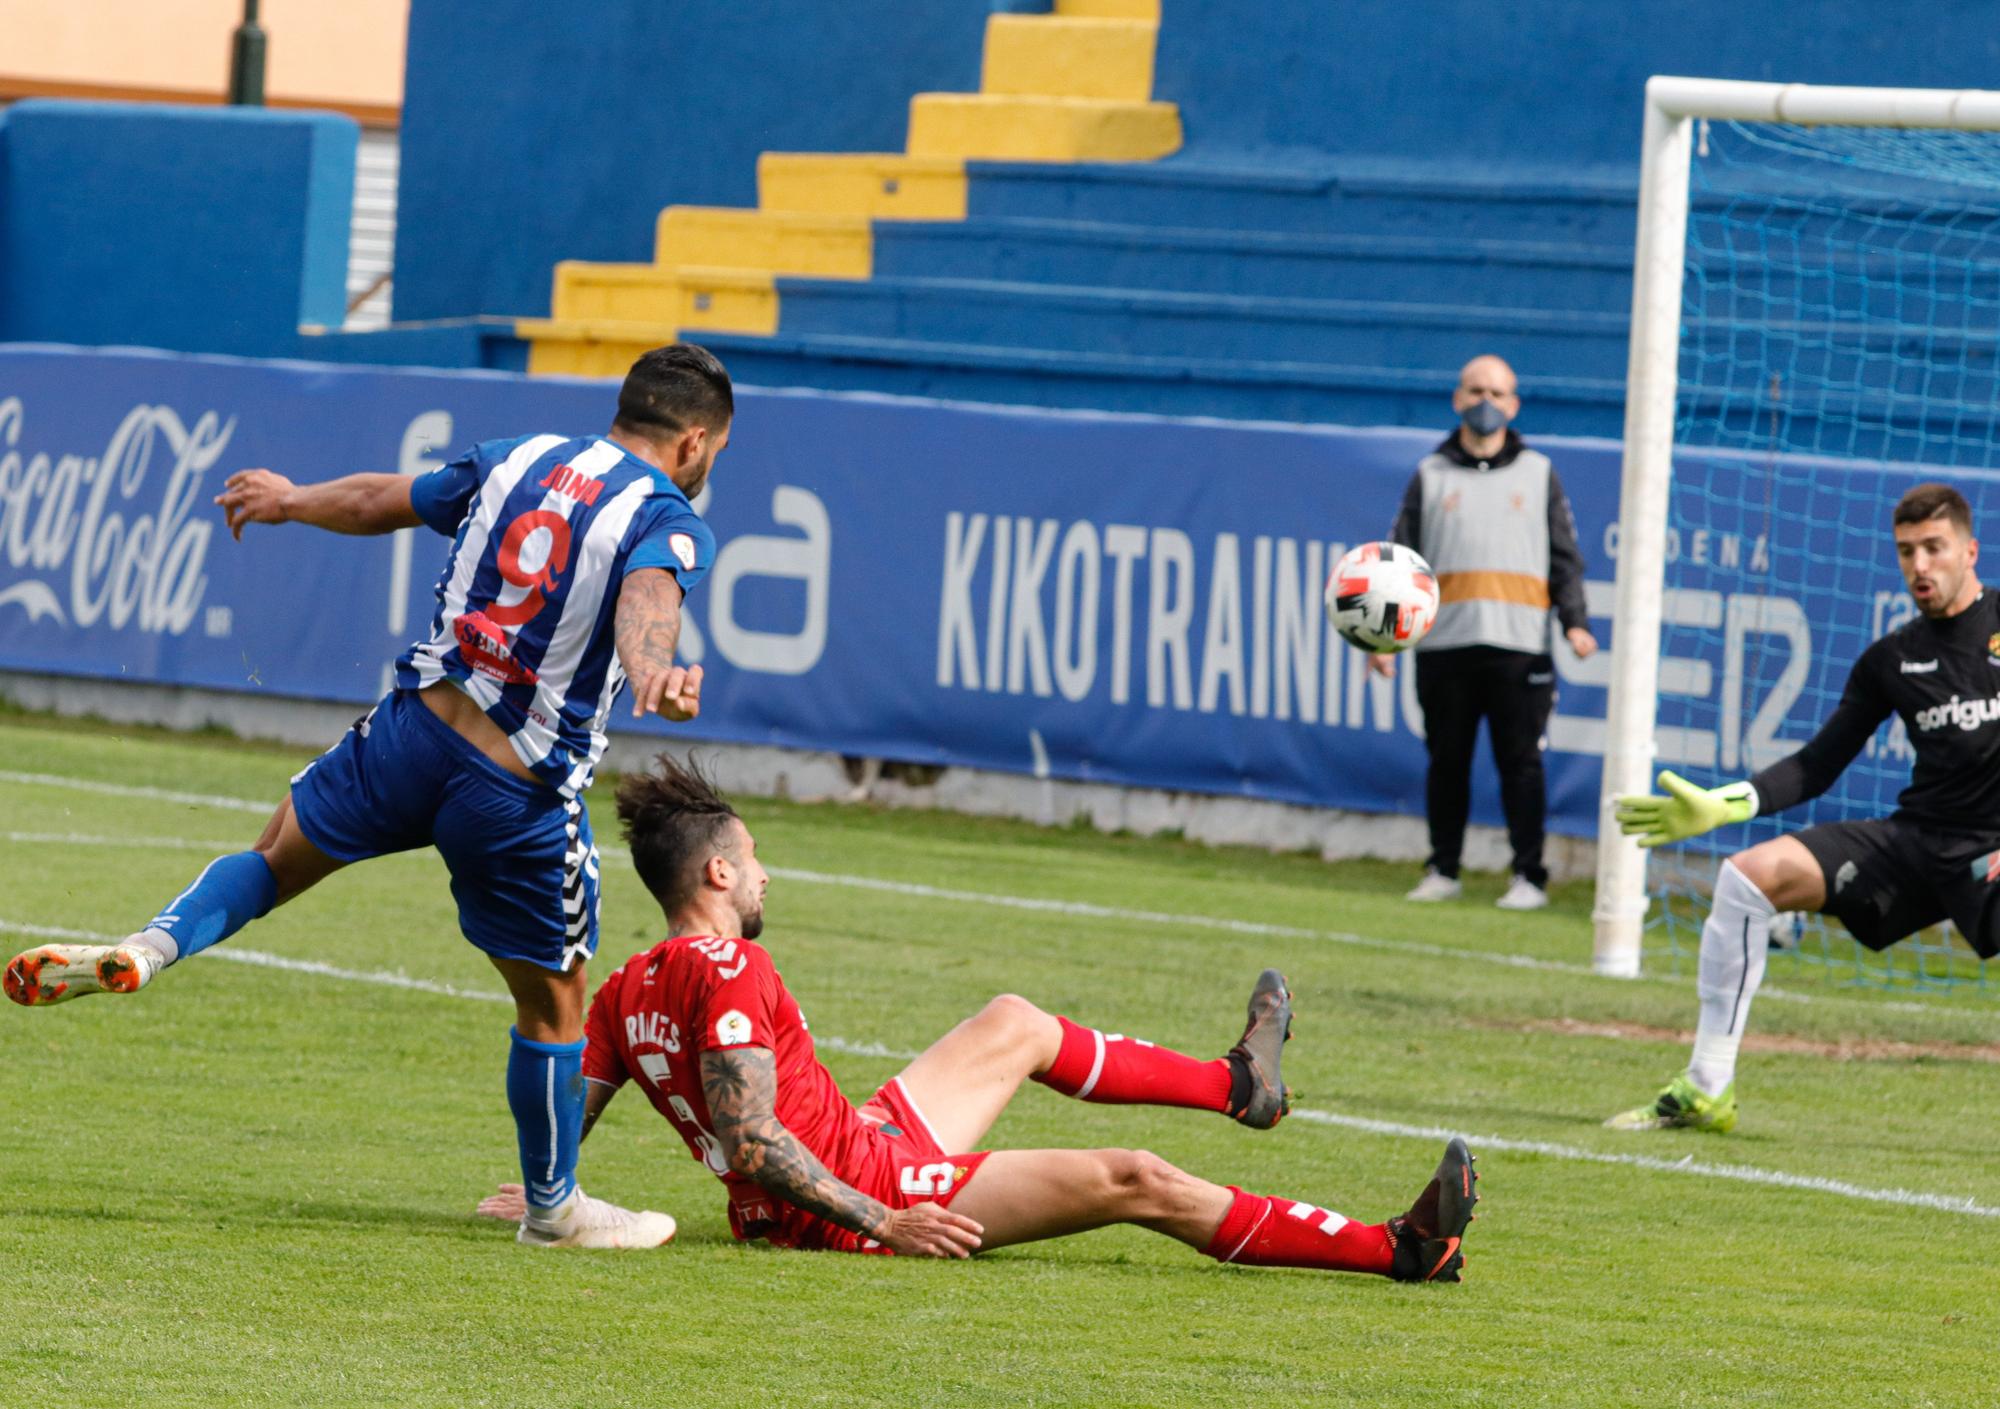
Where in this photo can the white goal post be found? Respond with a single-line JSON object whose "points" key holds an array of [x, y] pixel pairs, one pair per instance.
{"points": [[1673, 106]]}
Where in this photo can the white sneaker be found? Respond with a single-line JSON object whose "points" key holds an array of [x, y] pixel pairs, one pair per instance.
{"points": [[1524, 894], [56, 973], [583, 1222], [1435, 886]]}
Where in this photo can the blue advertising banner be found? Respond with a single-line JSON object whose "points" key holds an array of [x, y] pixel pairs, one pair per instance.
{"points": [[1107, 598]]}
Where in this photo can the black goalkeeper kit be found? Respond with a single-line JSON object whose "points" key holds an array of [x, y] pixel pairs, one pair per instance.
{"points": [[1938, 855]]}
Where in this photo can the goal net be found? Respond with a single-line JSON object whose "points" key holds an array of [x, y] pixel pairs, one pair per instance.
{"points": [[1838, 320]]}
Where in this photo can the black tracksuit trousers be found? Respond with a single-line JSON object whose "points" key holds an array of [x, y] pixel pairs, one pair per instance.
{"points": [[1513, 692]]}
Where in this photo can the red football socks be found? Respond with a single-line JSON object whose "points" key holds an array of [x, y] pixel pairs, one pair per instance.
{"points": [[1118, 1070], [1261, 1232]]}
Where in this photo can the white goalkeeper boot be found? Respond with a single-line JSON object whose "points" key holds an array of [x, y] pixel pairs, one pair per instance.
{"points": [[583, 1222]]}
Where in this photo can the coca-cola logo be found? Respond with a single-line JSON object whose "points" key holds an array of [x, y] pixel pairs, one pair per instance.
{"points": [[71, 524]]}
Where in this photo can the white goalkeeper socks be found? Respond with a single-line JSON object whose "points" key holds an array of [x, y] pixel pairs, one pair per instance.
{"points": [[1734, 944]]}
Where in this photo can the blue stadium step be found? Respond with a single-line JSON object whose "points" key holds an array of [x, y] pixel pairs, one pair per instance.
{"points": [[1344, 196], [1865, 425], [1409, 269], [1588, 205], [1245, 390], [1143, 323]]}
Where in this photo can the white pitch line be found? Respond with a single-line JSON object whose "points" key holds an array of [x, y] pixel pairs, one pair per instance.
{"points": [[86, 785], [1749, 1174], [143, 843], [1086, 910], [1687, 1164]]}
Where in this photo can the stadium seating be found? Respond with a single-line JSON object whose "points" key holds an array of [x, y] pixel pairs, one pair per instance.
{"points": [[1026, 247], [1323, 247], [1071, 85], [1336, 290], [1165, 206], [1340, 292]]}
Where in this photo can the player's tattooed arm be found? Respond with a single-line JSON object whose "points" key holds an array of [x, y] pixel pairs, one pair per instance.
{"points": [[742, 1090], [741, 1086], [648, 628]]}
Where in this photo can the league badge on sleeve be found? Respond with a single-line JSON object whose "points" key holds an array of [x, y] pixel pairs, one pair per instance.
{"points": [[683, 546], [732, 1029]]}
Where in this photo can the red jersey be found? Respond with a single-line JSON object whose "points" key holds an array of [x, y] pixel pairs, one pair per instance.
{"points": [[652, 1020]]}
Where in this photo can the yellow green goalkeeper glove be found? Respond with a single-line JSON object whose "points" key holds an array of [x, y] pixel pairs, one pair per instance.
{"points": [[1686, 811]]}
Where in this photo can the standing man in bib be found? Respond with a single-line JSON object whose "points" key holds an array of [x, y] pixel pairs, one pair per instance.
{"points": [[1490, 517], [569, 560]]}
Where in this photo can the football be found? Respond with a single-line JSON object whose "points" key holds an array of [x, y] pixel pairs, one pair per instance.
{"points": [[1382, 597]]}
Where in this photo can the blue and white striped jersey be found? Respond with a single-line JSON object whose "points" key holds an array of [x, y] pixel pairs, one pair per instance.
{"points": [[545, 528]]}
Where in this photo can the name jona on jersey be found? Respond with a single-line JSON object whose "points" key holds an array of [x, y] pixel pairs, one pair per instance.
{"points": [[572, 485]]}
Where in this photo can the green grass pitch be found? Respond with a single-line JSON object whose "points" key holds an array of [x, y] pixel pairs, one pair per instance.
{"points": [[251, 1185]]}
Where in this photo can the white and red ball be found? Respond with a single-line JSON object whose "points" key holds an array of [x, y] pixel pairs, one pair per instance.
{"points": [[1382, 597]]}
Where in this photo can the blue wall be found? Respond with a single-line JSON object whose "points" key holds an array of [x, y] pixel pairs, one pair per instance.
{"points": [[1475, 82], [194, 229], [533, 133]]}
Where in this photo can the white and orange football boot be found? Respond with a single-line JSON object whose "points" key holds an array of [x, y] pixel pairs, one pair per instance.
{"points": [[56, 973]]}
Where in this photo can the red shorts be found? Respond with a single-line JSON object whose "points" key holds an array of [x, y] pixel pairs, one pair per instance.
{"points": [[901, 1163]]}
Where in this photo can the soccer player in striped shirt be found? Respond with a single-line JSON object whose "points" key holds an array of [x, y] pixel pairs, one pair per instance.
{"points": [[569, 560], [703, 1024]]}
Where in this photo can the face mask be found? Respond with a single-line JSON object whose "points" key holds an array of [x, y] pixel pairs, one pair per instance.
{"points": [[1484, 417]]}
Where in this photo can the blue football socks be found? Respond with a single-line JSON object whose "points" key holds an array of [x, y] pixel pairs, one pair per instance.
{"points": [[229, 893], [545, 1092]]}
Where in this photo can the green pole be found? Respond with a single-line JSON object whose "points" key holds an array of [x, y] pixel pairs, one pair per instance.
{"points": [[246, 59]]}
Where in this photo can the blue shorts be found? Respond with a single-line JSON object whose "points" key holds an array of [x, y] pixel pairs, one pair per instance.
{"points": [[522, 860]]}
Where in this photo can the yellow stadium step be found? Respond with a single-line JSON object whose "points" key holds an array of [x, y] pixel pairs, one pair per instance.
{"points": [[728, 300], [1060, 57], [976, 126], [872, 185], [780, 242], [1110, 9], [597, 347]]}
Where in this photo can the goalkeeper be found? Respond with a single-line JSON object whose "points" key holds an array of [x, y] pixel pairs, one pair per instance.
{"points": [[1936, 857]]}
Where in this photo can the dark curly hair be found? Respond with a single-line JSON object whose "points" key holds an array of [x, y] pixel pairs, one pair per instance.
{"points": [[674, 820]]}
